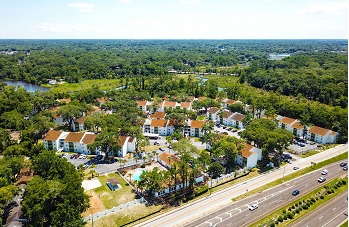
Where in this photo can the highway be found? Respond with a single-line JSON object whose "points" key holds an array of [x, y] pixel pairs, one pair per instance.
{"points": [[203, 207], [268, 201], [332, 213]]}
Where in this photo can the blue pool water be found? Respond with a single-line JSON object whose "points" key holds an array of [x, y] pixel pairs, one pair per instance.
{"points": [[137, 174]]}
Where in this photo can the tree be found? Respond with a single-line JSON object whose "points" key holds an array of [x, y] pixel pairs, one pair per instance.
{"points": [[215, 169], [107, 142], [54, 197], [70, 112]]}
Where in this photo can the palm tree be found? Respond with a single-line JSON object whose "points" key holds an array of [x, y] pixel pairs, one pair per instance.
{"points": [[155, 154], [150, 157], [129, 175], [144, 159], [136, 158]]}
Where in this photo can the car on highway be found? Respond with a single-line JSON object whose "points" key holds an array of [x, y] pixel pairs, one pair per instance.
{"points": [[321, 179], [295, 167], [324, 172], [343, 164], [295, 192], [345, 168], [253, 207]]}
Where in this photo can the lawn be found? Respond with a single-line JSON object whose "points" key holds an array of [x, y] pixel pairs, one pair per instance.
{"points": [[102, 84], [117, 197], [124, 216], [201, 118]]}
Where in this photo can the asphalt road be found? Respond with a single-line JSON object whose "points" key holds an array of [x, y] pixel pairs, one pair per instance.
{"points": [[238, 214], [203, 207], [332, 213]]}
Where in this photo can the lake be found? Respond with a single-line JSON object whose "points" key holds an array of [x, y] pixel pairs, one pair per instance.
{"points": [[27, 86]]}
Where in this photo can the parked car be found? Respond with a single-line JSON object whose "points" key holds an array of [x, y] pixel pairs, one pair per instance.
{"points": [[295, 167], [169, 146], [301, 144], [235, 130], [156, 143], [345, 168], [324, 172], [253, 207], [321, 179], [224, 127], [343, 164], [161, 149], [312, 143], [295, 192]]}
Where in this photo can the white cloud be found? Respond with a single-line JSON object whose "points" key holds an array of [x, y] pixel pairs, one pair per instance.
{"points": [[83, 7], [327, 7]]}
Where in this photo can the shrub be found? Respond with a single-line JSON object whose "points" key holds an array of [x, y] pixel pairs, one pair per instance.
{"points": [[293, 206], [280, 219], [305, 206], [272, 224], [297, 211], [289, 215], [284, 211], [344, 182], [313, 200], [201, 190], [143, 166]]}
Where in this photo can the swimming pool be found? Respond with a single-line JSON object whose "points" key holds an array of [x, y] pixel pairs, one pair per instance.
{"points": [[137, 174]]}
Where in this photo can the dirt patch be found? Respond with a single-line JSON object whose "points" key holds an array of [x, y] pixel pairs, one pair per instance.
{"points": [[96, 204]]}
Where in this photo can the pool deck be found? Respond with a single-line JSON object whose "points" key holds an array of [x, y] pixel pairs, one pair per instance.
{"points": [[148, 167]]}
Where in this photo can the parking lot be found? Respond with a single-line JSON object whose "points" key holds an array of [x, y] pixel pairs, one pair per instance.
{"points": [[303, 146]]}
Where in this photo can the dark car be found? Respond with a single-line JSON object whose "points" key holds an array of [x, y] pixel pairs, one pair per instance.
{"points": [[295, 192], [343, 164]]}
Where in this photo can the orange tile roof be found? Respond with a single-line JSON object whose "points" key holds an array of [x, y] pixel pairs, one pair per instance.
{"points": [[333, 133], [158, 123], [213, 110], [287, 120], [158, 115], [230, 101], [197, 124], [246, 152], [318, 130], [185, 104], [191, 98], [74, 137], [141, 103], [297, 125], [169, 104], [164, 157], [80, 120], [89, 138], [67, 100], [201, 98], [122, 140], [54, 109], [226, 114], [102, 100], [238, 117], [52, 135]]}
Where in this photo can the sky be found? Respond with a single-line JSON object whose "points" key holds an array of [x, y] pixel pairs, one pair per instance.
{"points": [[174, 19]]}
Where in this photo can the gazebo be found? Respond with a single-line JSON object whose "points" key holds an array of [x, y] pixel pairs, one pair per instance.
{"points": [[113, 183]]}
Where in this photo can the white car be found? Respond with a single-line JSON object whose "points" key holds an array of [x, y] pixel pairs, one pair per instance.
{"points": [[253, 207], [324, 172]]}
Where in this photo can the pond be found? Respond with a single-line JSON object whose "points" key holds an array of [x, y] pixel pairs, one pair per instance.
{"points": [[27, 86]]}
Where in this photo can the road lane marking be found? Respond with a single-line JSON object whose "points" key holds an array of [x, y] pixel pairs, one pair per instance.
{"points": [[334, 218], [320, 217]]}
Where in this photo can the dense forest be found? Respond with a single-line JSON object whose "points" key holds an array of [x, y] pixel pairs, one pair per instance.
{"points": [[320, 76]]}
